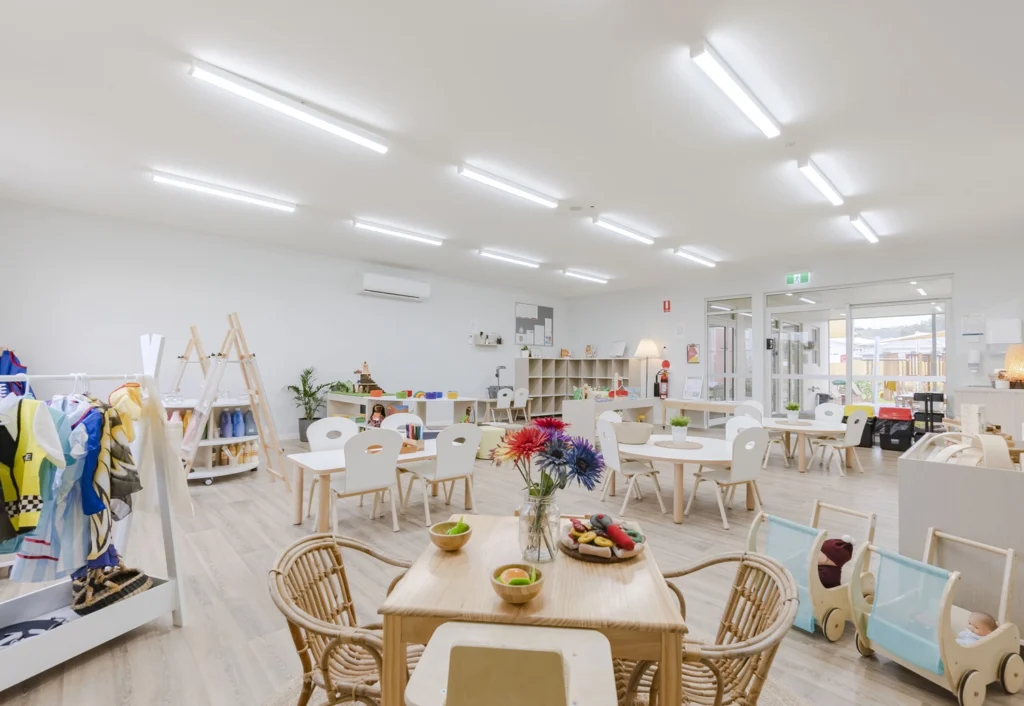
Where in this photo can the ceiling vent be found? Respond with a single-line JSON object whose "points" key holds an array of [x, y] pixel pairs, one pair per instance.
{"points": [[394, 288]]}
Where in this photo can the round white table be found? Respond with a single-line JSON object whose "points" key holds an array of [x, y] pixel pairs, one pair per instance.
{"points": [[806, 429], [713, 452]]}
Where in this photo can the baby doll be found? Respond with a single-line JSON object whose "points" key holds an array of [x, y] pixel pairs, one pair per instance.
{"points": [[833, 556], [978, 626], [377, 416]]}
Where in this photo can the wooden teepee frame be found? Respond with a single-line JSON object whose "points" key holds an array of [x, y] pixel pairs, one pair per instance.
{"points": [[194, 347], [233, 349]]}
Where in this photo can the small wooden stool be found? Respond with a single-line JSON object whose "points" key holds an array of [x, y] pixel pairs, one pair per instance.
{"points": [[469, 664]]}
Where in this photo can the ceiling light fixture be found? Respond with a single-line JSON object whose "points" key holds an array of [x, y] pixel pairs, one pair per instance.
{"points": [[809, 301], [622, 230], [581, 275], [222, 191], [922, 292], [810, 170], [913, 282], [746, 313], [286, 106], [789, 294], [695, 258], [720, 308], [718, 71], [938, 308], [508, 258], [397, 232], [507, 186], [861, 225]]}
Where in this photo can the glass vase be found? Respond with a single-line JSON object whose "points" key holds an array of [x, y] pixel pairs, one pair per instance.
{"points": [[539, 519]]}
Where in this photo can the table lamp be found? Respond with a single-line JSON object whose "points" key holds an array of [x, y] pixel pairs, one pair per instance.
{"points": [[648, 349], [1015, 365]]}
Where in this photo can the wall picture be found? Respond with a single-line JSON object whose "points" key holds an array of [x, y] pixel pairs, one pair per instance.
{"points": [[693, 353]]}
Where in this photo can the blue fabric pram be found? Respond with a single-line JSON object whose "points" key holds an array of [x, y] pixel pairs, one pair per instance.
{"points": [[791, 544]]}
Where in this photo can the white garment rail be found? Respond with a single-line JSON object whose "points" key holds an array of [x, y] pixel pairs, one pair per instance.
{"points": [[29, 657]]}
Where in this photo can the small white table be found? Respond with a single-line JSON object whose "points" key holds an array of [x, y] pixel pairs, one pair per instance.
{"points": [[323, 464], [713, 452], [804, 430]]}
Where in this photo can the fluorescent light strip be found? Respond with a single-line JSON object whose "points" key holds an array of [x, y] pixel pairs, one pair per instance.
{"points": [[397, 232], [507, 186], [938, 308], [746, 313], [580, 275], [222, 191], [789, 294], [809, 301], [720, 308], [922, 292], [507, 258], [913, 282], [810, 170], [719, 72], [622, 230], [695, 258], [287, 106], [861, 225]]}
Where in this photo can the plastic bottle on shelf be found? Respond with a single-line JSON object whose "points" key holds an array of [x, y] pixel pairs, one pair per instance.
{"points": [[185, 419], [250, 423], [225, 424], [237, 425], [176, 419], [224, 460]]}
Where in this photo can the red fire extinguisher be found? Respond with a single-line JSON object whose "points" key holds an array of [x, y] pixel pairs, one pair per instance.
{"points": [[662, 378]]}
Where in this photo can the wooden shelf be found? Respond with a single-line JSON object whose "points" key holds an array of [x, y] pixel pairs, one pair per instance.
{"points": [[204, 472], [228, 440]]}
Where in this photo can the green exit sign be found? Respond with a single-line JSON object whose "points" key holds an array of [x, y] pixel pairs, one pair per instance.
{"points": [[798, 278]]}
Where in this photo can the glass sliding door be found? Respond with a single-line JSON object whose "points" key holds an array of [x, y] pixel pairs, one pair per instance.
{"points": [[730, 349], [898, 349], [807, 362]]}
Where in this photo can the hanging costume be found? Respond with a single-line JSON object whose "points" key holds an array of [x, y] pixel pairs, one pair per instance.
{"points": [[28, 436]]}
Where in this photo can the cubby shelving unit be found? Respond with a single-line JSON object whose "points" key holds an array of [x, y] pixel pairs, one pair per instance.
{"points": [[553, 380]]}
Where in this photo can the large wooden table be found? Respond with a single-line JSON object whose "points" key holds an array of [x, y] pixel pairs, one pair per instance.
{"points": [[713, 452], [628, 603], [804, 430], [323, 464]]}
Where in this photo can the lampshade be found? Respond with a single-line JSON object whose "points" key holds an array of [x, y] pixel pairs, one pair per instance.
{"points": [[649, 349], [1015, 362]]}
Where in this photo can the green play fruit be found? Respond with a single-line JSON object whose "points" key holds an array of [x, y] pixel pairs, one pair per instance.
{"points": [[459, 527]]}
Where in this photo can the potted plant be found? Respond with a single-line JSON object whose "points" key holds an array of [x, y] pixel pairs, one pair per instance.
{"points": [[524, 352], [309, 397], [679, 425], [792, 411]]}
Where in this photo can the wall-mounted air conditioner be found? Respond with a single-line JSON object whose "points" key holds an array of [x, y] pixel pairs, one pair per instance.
{"points": [[394, 288]]}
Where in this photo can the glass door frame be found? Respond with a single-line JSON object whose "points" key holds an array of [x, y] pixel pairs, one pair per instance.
{"points": [[720, 318]]}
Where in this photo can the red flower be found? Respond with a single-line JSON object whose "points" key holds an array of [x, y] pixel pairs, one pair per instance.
{"points": [[523, 444], [551, 425]]}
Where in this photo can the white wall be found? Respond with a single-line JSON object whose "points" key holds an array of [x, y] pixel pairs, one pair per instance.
{"points": [[985, 280], [79, 290]]}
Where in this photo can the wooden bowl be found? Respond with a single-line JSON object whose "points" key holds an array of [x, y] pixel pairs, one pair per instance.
{"points": [[633, 432], [516, 595], [448, 542]]}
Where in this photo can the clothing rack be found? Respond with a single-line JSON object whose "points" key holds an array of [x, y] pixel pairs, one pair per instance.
{"points": [[37, 654]]}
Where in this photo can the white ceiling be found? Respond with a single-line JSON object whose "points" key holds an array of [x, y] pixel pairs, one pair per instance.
{"points": [[914, 115]]}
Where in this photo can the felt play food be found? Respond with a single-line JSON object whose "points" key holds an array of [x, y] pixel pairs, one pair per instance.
{"points": [[459, 527], [439, 535], [523, 585], [602, 537]]}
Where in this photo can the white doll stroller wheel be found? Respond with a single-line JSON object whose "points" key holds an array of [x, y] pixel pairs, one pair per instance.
{"points": [[1011, 673], [972, 689]]}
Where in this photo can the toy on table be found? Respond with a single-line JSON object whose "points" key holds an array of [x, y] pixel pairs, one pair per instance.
{"points": [[420, 394], [453, 395], [468, 415], [376, 416], [618, 389], [366, 383], [600, 536]]}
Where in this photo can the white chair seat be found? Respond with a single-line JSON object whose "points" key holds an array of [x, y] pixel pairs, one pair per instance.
{"points": [[632, 468], [748, 449]]}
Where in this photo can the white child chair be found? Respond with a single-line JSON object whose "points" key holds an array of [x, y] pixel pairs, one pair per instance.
{"points": [[456, 458], [829, 412], [399, 420], [503, 404], [748, 449], [756, 405], [520, 401], [851, 440], [370, 460], [630, 469], [737, 424], [328, 434], [748, 410]]}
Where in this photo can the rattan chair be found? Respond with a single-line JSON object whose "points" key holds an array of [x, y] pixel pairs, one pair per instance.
{"points": [[761, 607], [309, 586]]}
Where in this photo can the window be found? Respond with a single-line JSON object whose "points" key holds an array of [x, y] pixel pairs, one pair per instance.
{"points": [[730, 346]]}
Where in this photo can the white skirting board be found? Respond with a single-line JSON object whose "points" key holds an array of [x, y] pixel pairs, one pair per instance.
{"points": [[33, 656]]}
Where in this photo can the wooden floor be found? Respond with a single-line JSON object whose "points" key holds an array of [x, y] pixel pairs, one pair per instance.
{"points": [[235, 648]]}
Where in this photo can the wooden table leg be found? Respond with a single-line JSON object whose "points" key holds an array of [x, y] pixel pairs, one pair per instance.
{"points": [[677, 508], [323, 512], [297, 481], [466, 493], [750, 496], [849, 457], [395, 665], [433, 490], [802, 452], [670, 668], [611, 483], [787, 442]]}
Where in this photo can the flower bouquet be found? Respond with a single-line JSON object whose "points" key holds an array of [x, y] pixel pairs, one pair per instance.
{"points": [[560, 459]]}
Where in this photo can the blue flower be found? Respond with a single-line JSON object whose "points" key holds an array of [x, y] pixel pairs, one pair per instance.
{"points": [[585, 464], [553, 459]]}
